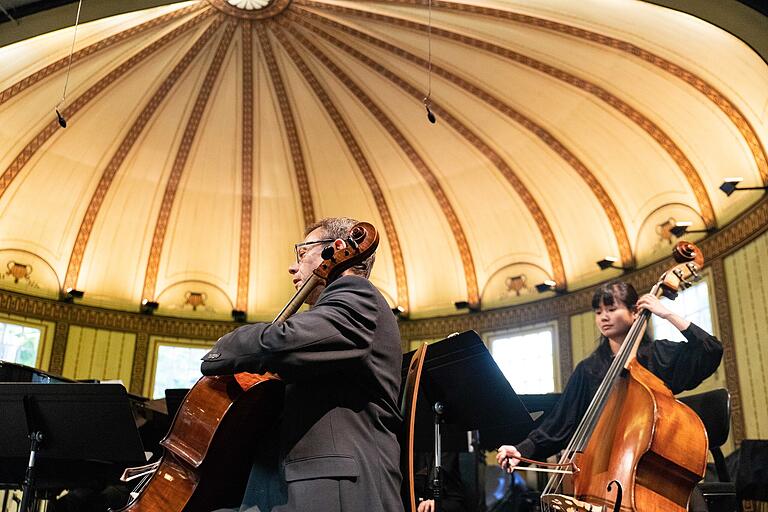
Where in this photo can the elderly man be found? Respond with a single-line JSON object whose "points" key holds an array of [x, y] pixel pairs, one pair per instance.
{"points": [[341, 363]]}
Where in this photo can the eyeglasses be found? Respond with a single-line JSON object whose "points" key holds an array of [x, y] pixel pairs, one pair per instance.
{"points": [[297, 247]]}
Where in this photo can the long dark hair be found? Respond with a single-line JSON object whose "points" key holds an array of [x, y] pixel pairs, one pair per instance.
{"points": [[619, 293], [609, 293]]}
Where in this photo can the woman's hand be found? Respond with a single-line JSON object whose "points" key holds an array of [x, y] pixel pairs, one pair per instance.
{"points": [[651, 303], [426, 506], [654, 305], [508, 457]]}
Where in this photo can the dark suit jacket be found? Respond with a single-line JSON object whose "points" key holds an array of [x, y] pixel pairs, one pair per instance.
{"points": [[341, 363]]}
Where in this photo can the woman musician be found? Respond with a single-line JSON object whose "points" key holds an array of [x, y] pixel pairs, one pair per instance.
{"points": [[680, 365]]}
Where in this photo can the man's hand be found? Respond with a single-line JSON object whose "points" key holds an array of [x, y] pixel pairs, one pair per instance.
{"points": [[426, 506], [507, 457]]}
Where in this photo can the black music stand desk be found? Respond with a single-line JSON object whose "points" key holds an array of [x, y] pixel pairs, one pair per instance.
{"points": [[85, 435], [461, 379]]}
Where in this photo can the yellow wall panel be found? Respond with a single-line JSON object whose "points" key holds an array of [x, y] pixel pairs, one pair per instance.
{"points": [[99, 354], [746, 273], [584, 336]]}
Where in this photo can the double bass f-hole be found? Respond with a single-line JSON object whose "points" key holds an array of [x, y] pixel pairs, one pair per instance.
{"points": [[619, 494]]}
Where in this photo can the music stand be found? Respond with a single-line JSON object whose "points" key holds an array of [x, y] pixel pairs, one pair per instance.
{"points": [[58, 436], [461, 385]]}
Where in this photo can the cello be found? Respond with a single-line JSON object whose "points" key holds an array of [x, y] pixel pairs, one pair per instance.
{"points": [[637, 449], [208, 453]]}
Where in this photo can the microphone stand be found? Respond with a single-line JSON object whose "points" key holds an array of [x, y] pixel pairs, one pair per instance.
{"points": [[437, 482]]}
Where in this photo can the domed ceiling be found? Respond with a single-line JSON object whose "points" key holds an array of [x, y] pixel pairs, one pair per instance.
{"points": [[202, 137]]}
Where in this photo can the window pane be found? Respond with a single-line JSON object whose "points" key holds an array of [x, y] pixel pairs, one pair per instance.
{"points": [[177, 367], [19, 343], [692, 304], [527, 361]]}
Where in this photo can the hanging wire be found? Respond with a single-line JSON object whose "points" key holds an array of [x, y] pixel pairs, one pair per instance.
{"points": [[58, 108], [430, 116]]}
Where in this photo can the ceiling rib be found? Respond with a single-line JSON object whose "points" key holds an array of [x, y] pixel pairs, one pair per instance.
{"points": [[291, 131], [81, 101], [418, 162], [172, 185], [555, 258], [103, 44], [130, 138], [363, 166], [246, 205], [651, 128], [611, 212], [726, 106]]}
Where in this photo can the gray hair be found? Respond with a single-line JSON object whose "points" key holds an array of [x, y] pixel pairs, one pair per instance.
{"points": [[339, 227]]}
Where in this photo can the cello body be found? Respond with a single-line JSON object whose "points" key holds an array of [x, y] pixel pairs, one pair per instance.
{"points": [[654, 446], [222, 425]]}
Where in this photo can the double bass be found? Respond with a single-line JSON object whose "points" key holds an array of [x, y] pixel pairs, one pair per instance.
{"points": [[637, 449], [225, 424]]}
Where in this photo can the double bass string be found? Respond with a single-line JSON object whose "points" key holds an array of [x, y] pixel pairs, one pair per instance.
{"points": [[592, 415]]}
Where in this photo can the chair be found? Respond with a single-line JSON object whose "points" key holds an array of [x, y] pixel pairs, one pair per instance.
{"points": [[714, 409]]}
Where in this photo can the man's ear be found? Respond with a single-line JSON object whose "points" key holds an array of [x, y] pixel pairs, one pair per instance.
{"points": [[339, 244]]}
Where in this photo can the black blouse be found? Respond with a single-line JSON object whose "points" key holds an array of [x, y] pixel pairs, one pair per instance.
{"points": [[680, 365]]}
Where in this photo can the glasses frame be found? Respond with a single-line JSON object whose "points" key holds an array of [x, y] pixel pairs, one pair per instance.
{"points": [[296, 247]]}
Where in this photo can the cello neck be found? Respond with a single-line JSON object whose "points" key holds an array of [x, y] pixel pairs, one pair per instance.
{"points": [[298, 299]]}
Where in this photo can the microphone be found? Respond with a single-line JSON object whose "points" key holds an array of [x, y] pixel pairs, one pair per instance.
{"points": [[430, 116], [62, 121]]}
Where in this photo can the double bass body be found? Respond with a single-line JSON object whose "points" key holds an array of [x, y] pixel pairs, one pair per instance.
{"points": [[651, 444], [637, 449]]}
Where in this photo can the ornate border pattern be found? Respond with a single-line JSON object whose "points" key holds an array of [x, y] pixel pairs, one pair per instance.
{"points": [[81, 101], [651, 128], [750, 225], [565, 350], [88, 316], [79, 55], [289, 123], [139, 367], [362, 164], [620, 232], [130, 138], [729, 350], [246, 208], [59, 347], [171, 187], [415, 158]]}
